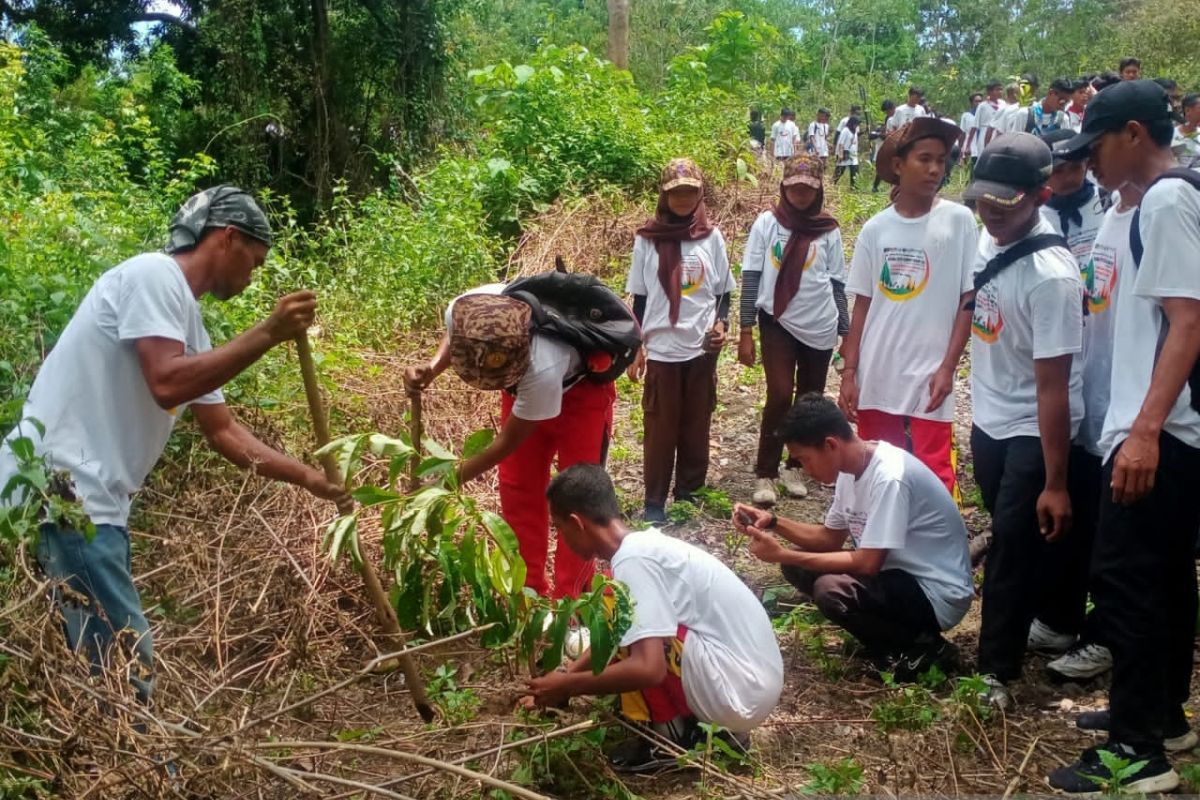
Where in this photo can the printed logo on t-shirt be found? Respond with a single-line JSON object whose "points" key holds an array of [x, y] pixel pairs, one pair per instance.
{"points": [[1100, 278], [904, 274], [987, 322], [693, 273], [777, 256], [856, 522]]}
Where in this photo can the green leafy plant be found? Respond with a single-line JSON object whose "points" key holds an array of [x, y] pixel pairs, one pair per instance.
{"points": [[844, 776], [37, 493], [571, 766], [681, 512], [457, 705], [456, 565], [906, 707], [1120, 770], [1190, 773], [967, 698], [716, 748], [714, 502]]}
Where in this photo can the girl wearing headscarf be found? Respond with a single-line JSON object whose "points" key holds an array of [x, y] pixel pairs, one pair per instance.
{"points": [[681, 284], [793, 279]]}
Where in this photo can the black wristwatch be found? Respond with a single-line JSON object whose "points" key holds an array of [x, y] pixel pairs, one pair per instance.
{"points": [[774, 521]]}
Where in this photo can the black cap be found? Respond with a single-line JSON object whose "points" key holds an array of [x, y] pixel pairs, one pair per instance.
{"points": [[1010, 167], [1114, 107], [1056, 141]]}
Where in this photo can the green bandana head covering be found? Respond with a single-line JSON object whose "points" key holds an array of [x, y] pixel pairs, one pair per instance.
{"points": [[218, 207]]}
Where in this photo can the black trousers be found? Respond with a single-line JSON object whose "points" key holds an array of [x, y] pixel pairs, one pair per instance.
{"points": [[887, 612], [1025, 576], [1144, 586]]}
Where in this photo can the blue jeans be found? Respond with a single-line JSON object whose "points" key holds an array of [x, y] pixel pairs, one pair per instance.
{"points": [[102, 605]]}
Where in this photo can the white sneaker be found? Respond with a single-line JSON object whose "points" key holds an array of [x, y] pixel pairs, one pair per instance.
{"points": [[764, 492], [996, 694], [1047, 641], [1178, 744], [1081, 662], [793, 482], [577, 642]]}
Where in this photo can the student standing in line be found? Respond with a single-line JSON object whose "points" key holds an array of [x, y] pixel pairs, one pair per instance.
{"points": [[969, 124], [784, 136], [855, 111], [1130, 69], [1046, 115], [1027, 403], [793, 275], [846, 152], [988, 117], [878, 136], [908, 576], [817, 137], [910, 274], [912, 108], [1080, 94], [1187, 136], [1143, 577], [681, 285]]}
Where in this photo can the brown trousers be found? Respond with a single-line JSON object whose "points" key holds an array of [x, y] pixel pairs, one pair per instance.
{"points": [[793, 369], [678, 401]]}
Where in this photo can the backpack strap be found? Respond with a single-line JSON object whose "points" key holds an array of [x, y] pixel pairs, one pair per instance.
{"points": [[1136, 248], [1002, 261]]}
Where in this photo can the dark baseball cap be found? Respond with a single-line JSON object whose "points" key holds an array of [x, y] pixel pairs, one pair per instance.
{"points": [[1112, 108], [1013, 165], [1056, 141]]}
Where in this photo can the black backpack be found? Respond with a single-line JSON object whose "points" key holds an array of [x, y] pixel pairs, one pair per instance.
{"points": [[1137, 250], [579, 310]]}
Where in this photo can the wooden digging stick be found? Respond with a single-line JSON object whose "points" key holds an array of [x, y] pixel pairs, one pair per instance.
{"points": [[384, 613], [417, 432]]}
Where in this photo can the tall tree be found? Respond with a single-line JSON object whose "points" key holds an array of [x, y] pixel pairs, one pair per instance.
{"points": [[618, 33]]}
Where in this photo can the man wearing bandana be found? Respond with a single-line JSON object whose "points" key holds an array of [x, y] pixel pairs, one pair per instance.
{"points": [[101, 409]]}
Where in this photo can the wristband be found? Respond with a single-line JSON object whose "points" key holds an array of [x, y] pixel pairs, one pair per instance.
{"points": [[773, 522]]}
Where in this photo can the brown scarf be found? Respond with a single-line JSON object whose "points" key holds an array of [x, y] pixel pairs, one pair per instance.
{"points": [[805, 227], [667, 231]]}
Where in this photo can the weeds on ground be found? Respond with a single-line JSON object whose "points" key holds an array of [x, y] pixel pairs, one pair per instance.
{"points": [[681, 512], [844, 776], [457, 705], [571, 766], [906, 707], [714, 502], [1119, 769]]}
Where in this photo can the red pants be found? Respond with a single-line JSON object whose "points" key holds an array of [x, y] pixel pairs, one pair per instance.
{"points": [[666, 701], [931, 442], [578, 435]]}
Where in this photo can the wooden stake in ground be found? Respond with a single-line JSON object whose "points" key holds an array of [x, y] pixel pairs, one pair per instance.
{"points": [[384, 613]]}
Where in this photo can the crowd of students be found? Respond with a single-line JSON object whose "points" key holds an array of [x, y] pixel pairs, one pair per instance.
{"points": [[1080, 298]]}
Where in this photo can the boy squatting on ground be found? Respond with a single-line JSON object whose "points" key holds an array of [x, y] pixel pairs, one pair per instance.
{"points": [[134, 356], [908, 576], [553, 413], [910, 274], [700, 647]]}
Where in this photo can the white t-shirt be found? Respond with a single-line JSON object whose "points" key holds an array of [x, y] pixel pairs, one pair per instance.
{"points": [[706, 276], [967, 123], [812, 315], [818, 137], [1080, 237], [841, 126], [1170, 230], [1106, 268], [732, 668], [906, 114], [847, 143], [899, 505], [540, 390], [914, 271], [102, 424], [988, 115], [1014, 118], [1032, 310], [785, 135], [1072, 119]]}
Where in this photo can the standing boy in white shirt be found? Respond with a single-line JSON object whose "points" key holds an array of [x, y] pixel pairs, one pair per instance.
{"points": [[700, 649], [908, 576], [988, 117], [784, 136], [817, 137], [1027, 403], [1143, 570], [968, 123], [911, 269], [912, 108]]}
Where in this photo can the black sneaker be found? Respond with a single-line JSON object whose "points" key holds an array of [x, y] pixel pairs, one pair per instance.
{"points": [[654, 514], [1179, 735], [638, 756], [918, 659], [1089, 776]]}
